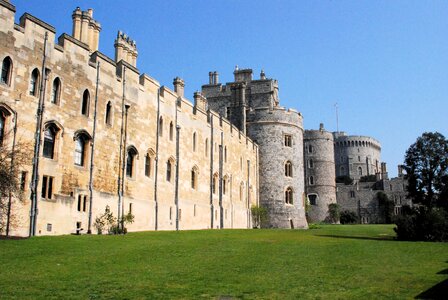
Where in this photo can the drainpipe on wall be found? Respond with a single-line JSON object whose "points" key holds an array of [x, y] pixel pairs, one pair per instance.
{"points": [[124, 163], [211, 169], [248, 194], [8, 213], [221, 221], [120, 174], [37, 142], [92, 152], [176, 187], [156, 204]]}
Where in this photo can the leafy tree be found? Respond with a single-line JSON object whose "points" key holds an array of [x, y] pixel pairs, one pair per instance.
{"points": [[386, 206], [426, 165], [347, 180], [259, 216], [333, 213]]}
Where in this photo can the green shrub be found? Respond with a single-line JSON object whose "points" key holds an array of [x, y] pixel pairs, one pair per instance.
{"points": [[333, 213], [368, 178], [259, 216], [422, 224], [344, 179], [349, 217]]}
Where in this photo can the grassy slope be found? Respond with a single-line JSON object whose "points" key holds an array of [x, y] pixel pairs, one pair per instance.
{"points": [[328, 262]]}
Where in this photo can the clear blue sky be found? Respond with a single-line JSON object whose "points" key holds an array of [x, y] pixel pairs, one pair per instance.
{"points": [[384, 62]]}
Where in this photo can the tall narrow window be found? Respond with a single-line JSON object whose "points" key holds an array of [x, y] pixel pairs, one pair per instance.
{"points": [[6, 71], [359, 171], [34, 81], [288, 140], [311, 163], [47, 187], [168, 170], [148, 165], [313, 199], [206, 148], [171, 131], [194, 142], [80, 147], [214, 183], [2, 126], [160, 126], [225, 154], [194, 178], [79, 202], [55, 91], [49, 142], [85, 103], [288, 169], [130, 161], [289, 196], [108, 118], [224, 185], [311, 180], [310, 149]]}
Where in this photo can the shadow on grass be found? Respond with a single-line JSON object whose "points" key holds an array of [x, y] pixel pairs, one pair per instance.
{"points": [[382, 238], [439, 291]]}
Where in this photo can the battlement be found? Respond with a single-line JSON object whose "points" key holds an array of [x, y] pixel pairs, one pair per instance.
{"points": [[342, 140]]}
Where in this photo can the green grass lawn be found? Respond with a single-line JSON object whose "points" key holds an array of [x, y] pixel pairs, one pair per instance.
{"points": [[327, 262]]}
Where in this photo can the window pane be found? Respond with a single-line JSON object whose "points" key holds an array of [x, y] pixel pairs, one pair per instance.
{"points": [[44, 187]]}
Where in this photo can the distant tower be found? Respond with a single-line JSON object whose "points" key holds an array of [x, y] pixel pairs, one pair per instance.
{"points": [[320, 178], [253, 107], [356, 156]]}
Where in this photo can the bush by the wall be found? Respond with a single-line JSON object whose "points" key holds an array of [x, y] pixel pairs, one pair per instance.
{"points": [[349, 217]]}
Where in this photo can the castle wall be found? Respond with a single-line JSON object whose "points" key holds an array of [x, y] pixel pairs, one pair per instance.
{"points": [[320, 179], [356, 156], [151, 197]]}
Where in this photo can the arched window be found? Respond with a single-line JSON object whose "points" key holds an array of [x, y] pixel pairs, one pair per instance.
{"points": [[49, 142], [310, 149], [359, 171], [2, 126], [171, 131], [289, 196], [311, 180], [194, 142], [160, 126], [80, 149], [288, 169], [130, 161], [310, 163], [6, 70], [34, 81], [148, 165], [206, 148], [214, 183], [168, 170], [194, 178], [56, 91], [312, 199], [108, 118], [85, 103]]}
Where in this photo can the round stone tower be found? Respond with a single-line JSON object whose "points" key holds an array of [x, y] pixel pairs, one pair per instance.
{"points": [[279, 134], [356, 156], [320, 176]]}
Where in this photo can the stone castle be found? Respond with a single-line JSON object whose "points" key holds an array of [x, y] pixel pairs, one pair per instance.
{"points": [[106, 136]]}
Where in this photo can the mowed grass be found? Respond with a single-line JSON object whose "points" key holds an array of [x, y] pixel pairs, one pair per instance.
{"points": [[327, 262]]}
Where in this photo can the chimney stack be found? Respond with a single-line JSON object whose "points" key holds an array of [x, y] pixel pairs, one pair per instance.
{"points": [[200, 101], [125, 49], [85, 28], [384, 171], [179, 85], [400, 170]]}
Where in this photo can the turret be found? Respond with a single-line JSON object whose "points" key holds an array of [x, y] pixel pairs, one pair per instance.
{"points": [[179, 85]]}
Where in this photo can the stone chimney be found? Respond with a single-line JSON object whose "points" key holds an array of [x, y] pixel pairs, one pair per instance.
{"points": [[242, 75], [85, 28], [384, 171], [125, 49], [321, 127], [262, 75], [179, 85], [400, 170], [200, 102]]}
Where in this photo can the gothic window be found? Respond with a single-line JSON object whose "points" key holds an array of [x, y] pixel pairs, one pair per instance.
{"points": [[288, 140], [310, 149], [6, 71], [359, 171], [194, 178], [352, 194], [171, 131], [80, 150], [214, 183], [311, 163], [47, 187], [2, 126], [288, 169], [148, 165], [130, 161], [160, 126], [311, 180], [108, 118], [289, 196], [49, 142], [313, 199], [55, 91], [342, 171], [194, 141], [34, 81], [168, 170], [85, 103], [359, 158]]}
